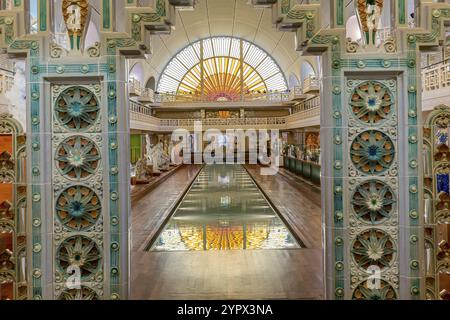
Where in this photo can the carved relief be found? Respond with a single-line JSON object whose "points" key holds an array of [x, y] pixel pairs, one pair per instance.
{"points": [[13, 281], [373, 189], [77, 108], [77, 157], [372, 152], [75, 13], [372, 102], [369, 14], [437, 202], [77, 144]]}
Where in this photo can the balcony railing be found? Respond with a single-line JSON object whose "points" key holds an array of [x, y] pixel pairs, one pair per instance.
{"points": [[143, 114], [307, 105], [147, 95], [269, 97], [436, 77], [310, 84], [7, 65], [134, 87], [140, 108], [219, 122]]}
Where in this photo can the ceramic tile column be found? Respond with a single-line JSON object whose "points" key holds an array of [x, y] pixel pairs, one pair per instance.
{"points": [[78, 144], [372, 166]]}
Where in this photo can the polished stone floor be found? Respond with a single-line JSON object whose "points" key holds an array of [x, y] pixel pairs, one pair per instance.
{"points": [[233, 274]]}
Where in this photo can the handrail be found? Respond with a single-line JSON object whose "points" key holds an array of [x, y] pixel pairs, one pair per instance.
{"points": [[7, 65], [306, 105], [436, 77], [143, 113], [223, 122], [169, 97]]}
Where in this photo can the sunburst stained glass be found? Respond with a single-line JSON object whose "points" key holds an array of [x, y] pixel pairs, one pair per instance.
{"points": [[227, 66]]}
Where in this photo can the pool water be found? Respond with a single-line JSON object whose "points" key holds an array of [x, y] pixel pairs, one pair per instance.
{"points": [[224, 210]]}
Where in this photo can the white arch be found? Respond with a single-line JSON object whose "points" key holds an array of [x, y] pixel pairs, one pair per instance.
{"points": [[137, 72], [293, 80], [306, 70]]}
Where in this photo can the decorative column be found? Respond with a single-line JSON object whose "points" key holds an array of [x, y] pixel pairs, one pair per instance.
{"points": [[78, 144], [436, 197], [372, 170], [13, 210]]}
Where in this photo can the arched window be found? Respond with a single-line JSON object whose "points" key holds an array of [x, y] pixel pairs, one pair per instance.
{"points": [[137, 73], [151, 83], [222, 68], [293, 81], [306, 71], [33, 16]]}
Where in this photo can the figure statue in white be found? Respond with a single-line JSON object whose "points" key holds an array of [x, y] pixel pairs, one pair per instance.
{"points": [[141, 169], [175, 150], [156, 157], [148, 149]]}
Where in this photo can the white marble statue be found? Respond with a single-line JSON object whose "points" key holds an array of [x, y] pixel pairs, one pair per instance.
{"points": [[148, 149], [141, 169], [156, 157], [175, 149]]}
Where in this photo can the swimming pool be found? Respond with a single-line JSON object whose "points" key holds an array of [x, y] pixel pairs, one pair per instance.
{"points": [[224, 210]]}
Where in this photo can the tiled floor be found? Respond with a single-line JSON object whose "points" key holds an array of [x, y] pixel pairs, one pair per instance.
{"points": [[237, 274]]}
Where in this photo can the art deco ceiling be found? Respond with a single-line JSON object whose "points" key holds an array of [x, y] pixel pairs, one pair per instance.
{"points": [[236, 18], [221, 70]]}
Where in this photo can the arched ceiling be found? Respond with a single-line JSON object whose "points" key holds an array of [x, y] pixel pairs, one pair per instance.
{"points": [[236, 18]]}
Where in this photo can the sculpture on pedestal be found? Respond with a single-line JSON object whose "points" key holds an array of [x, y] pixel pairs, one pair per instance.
{"points": [[141, 170], [175, 149], [156, 157], [369, 14], [75, 13]]}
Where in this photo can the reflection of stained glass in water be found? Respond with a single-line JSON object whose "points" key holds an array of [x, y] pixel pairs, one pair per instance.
{"points": [[256, 234], [236, 216], [443, 182], [184, 236], [170, 239], [224, 237]]}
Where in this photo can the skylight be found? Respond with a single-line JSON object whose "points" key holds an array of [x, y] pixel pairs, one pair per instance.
{"points": [[218, 62]]}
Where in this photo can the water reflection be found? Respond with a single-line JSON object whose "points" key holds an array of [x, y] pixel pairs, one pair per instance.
{"points": [[224, 210]]}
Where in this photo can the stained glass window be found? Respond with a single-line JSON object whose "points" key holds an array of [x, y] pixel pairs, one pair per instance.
{"points": [[228, 67]]}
